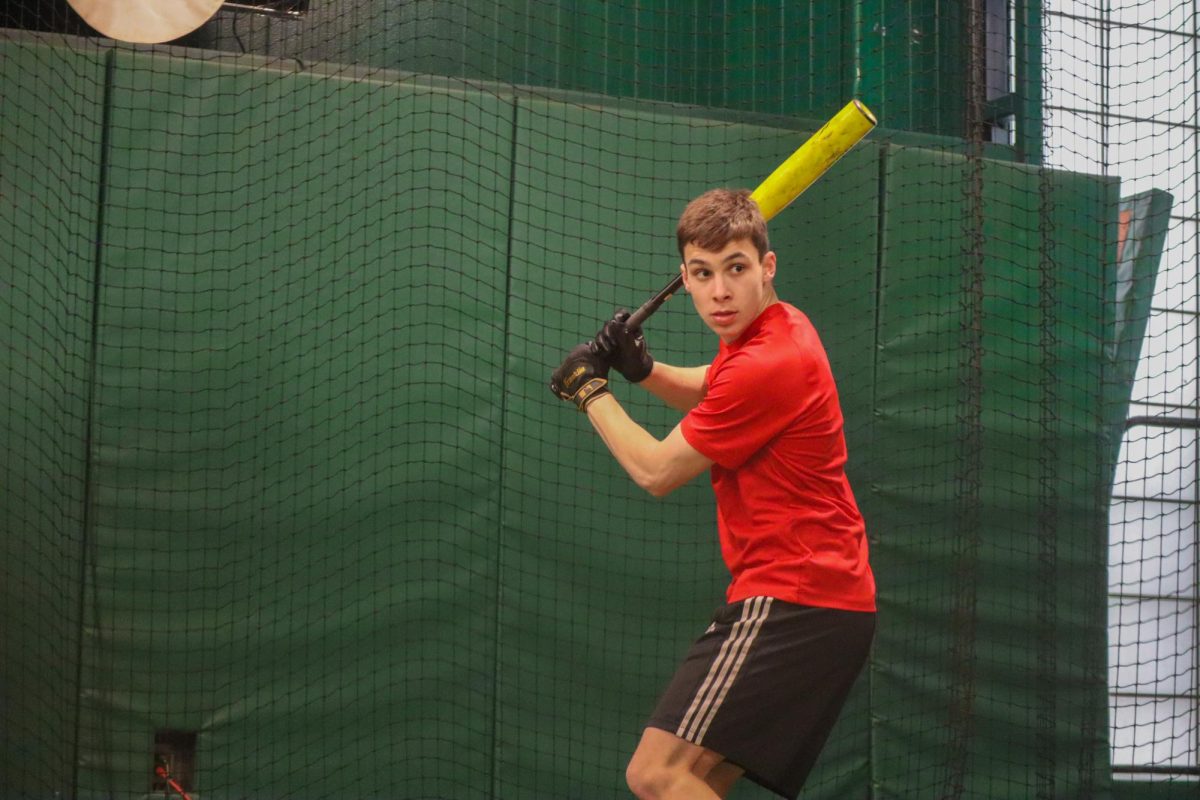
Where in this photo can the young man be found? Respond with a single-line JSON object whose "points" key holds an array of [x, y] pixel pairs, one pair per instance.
{"points": [[760, 690]]}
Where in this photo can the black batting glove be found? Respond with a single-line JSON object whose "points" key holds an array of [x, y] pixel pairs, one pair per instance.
{"points": [[625, 348], [582, 376]]}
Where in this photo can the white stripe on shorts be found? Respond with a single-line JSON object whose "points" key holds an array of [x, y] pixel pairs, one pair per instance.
{"points": [[724, 670]]}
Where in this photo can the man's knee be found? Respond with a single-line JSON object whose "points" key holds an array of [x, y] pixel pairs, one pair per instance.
{"points": [[647, 779], [667, 767], [659, 766], [664, 766]]}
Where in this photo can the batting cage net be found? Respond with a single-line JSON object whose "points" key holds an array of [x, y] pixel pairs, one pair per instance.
{"points": [[287, 509]]}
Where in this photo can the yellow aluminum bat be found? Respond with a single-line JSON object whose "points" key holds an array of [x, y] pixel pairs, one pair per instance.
{"points": [[789, 180]]}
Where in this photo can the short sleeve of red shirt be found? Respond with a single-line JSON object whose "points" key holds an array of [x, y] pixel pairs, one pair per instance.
{"points": [[751, 398]]}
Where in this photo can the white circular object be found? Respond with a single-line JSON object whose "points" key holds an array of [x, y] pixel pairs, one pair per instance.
{"points": [[145, 21]]}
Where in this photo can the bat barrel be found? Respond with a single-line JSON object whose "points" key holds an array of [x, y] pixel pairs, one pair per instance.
{"points": [[802, 168]]}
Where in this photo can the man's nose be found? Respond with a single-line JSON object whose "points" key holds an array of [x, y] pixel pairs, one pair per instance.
{"points": [[720, 288]]}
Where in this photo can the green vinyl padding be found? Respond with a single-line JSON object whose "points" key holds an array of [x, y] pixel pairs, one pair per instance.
{"points": [[49, 178], [1010, 528], [298, 440]]}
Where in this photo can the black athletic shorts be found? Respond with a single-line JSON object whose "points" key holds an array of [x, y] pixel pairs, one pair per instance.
{"points": [[764, 685]]}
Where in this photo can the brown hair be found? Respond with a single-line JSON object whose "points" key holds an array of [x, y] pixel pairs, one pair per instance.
{"points": [[717, 217]]}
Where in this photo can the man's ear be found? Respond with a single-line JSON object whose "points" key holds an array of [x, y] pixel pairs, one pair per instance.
{"points": [[768, 264], [683, 271]]}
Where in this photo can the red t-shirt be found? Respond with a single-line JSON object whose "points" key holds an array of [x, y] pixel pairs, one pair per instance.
{"points": [[788, 522]]}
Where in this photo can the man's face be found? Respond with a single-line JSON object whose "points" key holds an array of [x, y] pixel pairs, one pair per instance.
{"points": [[730, 287]]}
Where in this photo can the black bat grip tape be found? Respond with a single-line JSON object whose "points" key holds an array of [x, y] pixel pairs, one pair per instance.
{"points": [[650, 306]]}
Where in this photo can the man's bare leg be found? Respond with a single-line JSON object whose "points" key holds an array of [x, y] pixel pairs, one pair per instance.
{"points": [[665, 767]]}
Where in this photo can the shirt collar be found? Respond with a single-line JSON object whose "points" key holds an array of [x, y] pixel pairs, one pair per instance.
{"points": [[768, 313]]}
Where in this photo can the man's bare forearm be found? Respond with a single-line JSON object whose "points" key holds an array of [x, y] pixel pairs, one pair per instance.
{"points": [[681, 388], [659, 467]]}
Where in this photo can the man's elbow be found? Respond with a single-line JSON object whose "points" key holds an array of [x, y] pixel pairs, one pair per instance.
{"points": [[657, 485]]}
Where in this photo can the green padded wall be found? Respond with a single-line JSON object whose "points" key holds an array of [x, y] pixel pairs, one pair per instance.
{"points": [[296, 475], [992, 557], [49, 169], [575, 679]]}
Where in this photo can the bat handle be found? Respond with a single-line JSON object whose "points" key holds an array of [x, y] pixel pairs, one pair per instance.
{"points": [[650, 306]]}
